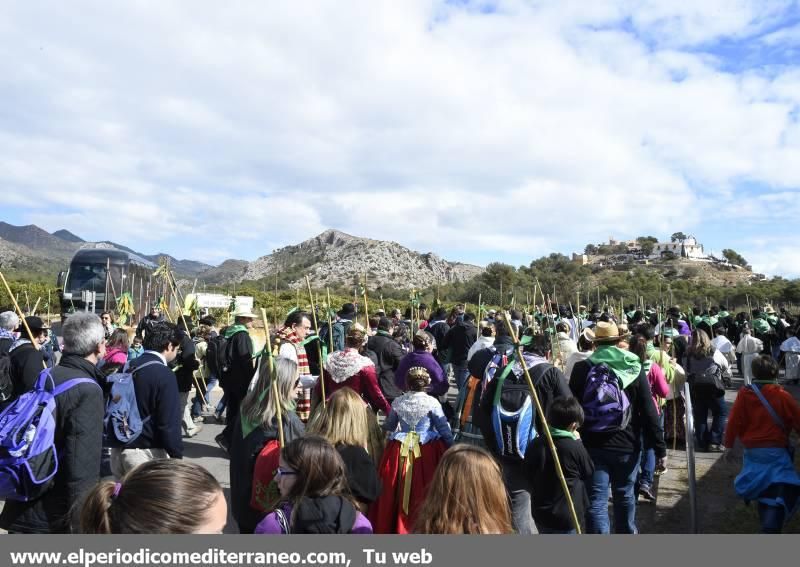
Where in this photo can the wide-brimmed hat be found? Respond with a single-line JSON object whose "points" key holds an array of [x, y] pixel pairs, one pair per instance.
{"points": [[606, 332], [768, 309], [348, 311], [245, 313], [588, 334], [35, 324]]}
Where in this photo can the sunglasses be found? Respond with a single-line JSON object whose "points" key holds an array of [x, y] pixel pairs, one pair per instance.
{"points": [[284, 472]]}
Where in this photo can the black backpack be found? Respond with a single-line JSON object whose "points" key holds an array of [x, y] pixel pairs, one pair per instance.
{"points": [[6, 383], [215, 354]]}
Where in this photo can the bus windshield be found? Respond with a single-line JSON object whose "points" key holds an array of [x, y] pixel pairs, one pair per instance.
{"points": [[91, 277]]}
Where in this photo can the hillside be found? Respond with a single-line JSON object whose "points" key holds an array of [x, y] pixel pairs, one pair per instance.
{"points": [[334, 258]]}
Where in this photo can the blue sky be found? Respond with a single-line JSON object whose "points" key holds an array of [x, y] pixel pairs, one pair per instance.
{"points": [[480, 131]]}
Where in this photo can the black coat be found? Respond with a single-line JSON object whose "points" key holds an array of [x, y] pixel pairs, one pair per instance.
{"points": [[549, 506], [389, 354], [186, 363], [157, 398], [458, 340], [26, 364], [78, 441], [237, 379], [243, 454], [362, 474]]}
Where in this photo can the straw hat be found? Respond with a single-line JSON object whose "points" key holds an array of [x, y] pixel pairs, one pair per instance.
{"points": [[245, 313], [606, 332], [768, 309]]}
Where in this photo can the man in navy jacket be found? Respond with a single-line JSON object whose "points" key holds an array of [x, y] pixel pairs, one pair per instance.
{"points": [[158, 399]]}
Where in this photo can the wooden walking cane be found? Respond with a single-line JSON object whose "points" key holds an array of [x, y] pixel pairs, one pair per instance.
{"points": [[22, 317], [545, 426], [319, 345], [273, 378]]}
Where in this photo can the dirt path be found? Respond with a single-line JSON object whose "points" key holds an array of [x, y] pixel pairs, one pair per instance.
{"points": [[719, 509]]}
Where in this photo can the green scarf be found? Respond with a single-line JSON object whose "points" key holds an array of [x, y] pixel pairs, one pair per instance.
{"points": [[662, 359], [384, 333], [561, 433], [233, 329], [625, 365]]}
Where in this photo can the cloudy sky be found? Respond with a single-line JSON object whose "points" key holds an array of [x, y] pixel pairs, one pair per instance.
{"points": [[480, 131]]}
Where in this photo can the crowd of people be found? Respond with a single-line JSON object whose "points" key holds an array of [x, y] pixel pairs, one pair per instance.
{"points": [[352, 429]]}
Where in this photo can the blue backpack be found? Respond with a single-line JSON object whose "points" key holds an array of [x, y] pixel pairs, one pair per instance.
{"points": [[512, 415], [606, 407], [28, 456], [122, 420]]}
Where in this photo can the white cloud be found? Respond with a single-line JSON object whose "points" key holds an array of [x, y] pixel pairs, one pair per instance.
{"points": [[429, 124]]}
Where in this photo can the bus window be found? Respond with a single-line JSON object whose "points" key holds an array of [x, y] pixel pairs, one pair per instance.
{"points": [[90, 277]]}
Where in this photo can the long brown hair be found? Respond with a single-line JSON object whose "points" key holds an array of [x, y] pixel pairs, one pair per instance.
{"points": [[701, 346], [167, 496], [466, 496], [320, 469]]}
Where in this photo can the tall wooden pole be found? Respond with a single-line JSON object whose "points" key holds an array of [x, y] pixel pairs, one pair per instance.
{"points": [[273, 378], [319, 346]]}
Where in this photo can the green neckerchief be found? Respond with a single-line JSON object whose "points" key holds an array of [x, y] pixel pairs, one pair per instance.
{"points": [[625, 365], [561, 433], [384, 333], [650, 349], [662, 359], [233, 329]]}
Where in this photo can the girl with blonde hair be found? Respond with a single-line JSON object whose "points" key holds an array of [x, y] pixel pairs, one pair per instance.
{"points": [[466, 496], [346, 422]]}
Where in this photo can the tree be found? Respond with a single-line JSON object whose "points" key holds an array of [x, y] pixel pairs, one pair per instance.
{"points": [[590, 250], [678, 237], [735, 258]]}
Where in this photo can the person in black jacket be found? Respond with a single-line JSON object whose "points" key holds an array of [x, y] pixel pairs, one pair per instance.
{"points": [[236, 380], [616, 452], [389, 352], [27, 358], [146, 324], [551, 510], [550, 385], [458, 340], [438, 327], [185, 364], [8, 325], [158, 402], [78, 434]]}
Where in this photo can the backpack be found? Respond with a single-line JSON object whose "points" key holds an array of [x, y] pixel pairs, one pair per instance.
{"points": [[340, 329], [6, 382], [215, 348], [512, 416], [705, 376], [28, 456], [265, 495], [122, 421], [605, 404], [498, 360]]}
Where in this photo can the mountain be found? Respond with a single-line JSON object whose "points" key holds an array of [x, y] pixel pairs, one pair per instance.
{"points": [[68, 236], [335, 258], [331, 258]]}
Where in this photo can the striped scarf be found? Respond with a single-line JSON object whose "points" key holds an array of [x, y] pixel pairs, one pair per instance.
{"points": [[304, 401]]}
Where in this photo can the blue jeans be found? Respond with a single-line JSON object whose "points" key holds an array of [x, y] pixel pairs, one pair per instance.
{"points": [[518, 489], [719, 412], [648, 463], [461, 373], [618, 470], [197, 403], [545, 530], [771, 518]]}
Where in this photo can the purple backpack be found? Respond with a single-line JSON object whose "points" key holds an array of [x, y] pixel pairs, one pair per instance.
{"points": [[606, 407], [28, 456]]}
